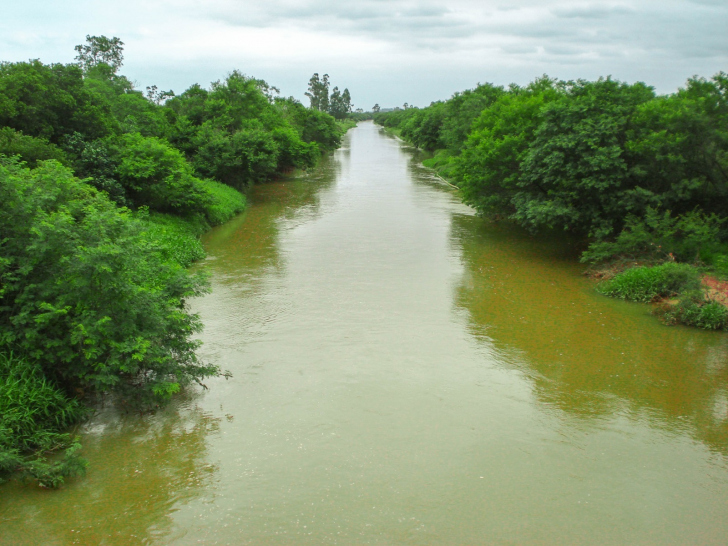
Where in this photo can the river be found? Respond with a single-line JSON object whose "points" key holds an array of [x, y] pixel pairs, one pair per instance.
{"points": [[406, 373]]}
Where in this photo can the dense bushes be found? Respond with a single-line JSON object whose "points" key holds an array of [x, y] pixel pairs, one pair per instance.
{"points": [[104, 193], [639, 177], [658, 236], [85, 292], [590, 157]]}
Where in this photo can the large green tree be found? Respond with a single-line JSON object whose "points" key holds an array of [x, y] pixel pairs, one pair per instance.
{"points": [[100, 50]]}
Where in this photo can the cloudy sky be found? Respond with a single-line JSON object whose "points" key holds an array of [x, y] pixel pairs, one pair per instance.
{"points": [[384, 51]]}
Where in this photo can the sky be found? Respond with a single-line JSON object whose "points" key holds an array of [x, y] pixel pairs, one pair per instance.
{"points": [[384, 51]]}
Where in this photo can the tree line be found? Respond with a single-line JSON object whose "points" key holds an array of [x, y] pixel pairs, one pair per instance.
{"points": [[640, 177], [103, 192]]}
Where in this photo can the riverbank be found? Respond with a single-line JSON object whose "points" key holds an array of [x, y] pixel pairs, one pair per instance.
{"points": [[695, 297], [539, 156]]}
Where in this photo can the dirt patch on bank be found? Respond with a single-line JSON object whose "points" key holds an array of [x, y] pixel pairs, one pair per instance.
{"points": [[716, 290]]}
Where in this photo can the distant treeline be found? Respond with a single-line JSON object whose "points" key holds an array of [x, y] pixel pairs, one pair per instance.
{"points": [[642, 178], [104, 191]]}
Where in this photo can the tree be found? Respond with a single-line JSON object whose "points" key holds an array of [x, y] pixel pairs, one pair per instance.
{"points": [[98, 50], [318, 92], [578, 173], [376, 108], [340, 103], [158, 97], [51, 101]]}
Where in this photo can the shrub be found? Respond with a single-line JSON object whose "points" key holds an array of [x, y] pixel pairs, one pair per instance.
{"points": [[239, 159], [649, 283], [659, 235], [85, 293], [694, 310], [30, 149], [158, 176]]}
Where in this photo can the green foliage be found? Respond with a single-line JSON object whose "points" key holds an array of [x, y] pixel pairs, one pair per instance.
{"points": [[239, 159], [86, 294], [681, 147], [51, 101], [293, 152], [29, 149], [646, 284], [340, 104], [345, 124], [178, 239], [462, 110], [576, 175], [155, 175], [710, 316], [693, 309], [321, 128], [489, 171], [597, 158], [100, 50], [92, 161], [318, 92], [422, 128], [443, 162], [34, 414], [225, 202], [659, 236]]}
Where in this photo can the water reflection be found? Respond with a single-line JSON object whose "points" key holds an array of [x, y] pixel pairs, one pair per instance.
{"points": [[587, 356], [278, 206], [140, 468]]}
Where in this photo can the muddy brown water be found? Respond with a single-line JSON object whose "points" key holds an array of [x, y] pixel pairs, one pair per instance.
{"points": [[405, 373]]}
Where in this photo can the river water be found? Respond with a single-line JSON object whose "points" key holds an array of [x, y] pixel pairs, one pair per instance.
{"points": [[405, 373]]}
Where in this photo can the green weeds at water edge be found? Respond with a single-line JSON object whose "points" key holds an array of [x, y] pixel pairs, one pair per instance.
{"points": [[647, 284], [33, 412]]}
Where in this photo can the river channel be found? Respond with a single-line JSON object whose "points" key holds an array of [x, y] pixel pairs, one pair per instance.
{"points": [[405, 373]]}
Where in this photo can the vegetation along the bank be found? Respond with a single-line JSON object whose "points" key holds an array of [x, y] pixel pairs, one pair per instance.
{"points": [[104, 191], [641, 178]]}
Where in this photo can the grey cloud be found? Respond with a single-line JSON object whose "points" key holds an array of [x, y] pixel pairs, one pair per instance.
{"points": [[591, 11]]}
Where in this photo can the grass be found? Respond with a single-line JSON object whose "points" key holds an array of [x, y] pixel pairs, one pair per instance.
{"points": [[34, 414], [647, 284], [442, 162], [178, 238], [227, 202], [345, 124]]}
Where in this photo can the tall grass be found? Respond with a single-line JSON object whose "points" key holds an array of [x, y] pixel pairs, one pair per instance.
{"points": [[34, 412], [178, 238], [226, 202]]}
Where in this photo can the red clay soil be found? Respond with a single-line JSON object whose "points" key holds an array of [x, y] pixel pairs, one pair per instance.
{"points": [[716, 290]]}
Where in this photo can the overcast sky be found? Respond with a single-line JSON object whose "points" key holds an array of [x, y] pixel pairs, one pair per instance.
{"points": [[384, 51]]}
